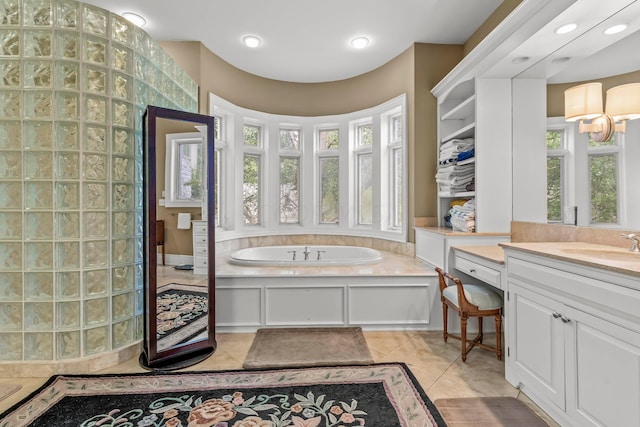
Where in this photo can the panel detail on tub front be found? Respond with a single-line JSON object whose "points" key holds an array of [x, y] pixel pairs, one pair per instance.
{"points": [[305, 305], [389, 305], [238, 307]]}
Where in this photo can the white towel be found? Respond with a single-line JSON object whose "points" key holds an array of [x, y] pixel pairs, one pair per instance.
{"points": [[184, 221]]}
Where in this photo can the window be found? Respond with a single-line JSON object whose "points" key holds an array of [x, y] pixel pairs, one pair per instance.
{"points": [[556, 153], [252, 174], [184, 167], [396, 168], [218, 155], [583, 177], [294, 174], [251, 189], [329, 190], [364, 173], [603, 180], [289, 190]]}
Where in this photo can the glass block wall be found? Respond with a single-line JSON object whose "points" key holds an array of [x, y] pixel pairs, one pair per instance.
{"points": [[74, 83]]}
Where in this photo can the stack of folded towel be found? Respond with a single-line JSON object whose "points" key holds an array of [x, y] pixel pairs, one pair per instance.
{"points": [[463, 217], [453, 177]]}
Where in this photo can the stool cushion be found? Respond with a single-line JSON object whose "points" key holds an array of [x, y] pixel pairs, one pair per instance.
{"points": [[482, 296]]}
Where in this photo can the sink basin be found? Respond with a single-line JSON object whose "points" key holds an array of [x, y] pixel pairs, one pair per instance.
{"points": [[605, 254]]}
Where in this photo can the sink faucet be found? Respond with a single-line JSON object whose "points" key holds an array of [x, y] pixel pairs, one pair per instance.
{"points": [[634, 242], [306, 253]]}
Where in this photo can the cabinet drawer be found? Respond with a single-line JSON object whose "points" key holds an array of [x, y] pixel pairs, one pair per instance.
{"points": [[481, 272], [199, 240], [200, 250], [200, 261], [200, 229]]}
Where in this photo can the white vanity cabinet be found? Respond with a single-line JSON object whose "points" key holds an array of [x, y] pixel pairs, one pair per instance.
{"points": [[200, 247], [574, 340], [478, 267]]}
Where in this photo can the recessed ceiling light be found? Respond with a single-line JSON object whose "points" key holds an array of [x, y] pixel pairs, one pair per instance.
{"points": [[134, 18], [252, 41], [360, 42], [566, 28], [615, 29]]}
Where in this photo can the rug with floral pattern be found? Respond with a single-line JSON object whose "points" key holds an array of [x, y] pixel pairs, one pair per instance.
{"points": [[378, 395], [181, 313]]}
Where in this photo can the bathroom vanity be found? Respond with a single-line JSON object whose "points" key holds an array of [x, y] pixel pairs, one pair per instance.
{"points": [[573, 330]]}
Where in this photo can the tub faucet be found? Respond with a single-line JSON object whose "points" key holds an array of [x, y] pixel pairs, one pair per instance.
{"points": [[320, 252], [294, 255], [306, 253], [634, 242]]}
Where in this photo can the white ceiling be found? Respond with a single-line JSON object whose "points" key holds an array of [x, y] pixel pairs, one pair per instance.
{"points": [[304, 40]]}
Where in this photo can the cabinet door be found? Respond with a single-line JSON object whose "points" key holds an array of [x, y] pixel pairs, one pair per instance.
{"points": [[603, 372], [536, 343]]}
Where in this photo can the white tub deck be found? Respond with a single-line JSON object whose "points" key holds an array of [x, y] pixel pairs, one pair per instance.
{"points": [[397, 293]]}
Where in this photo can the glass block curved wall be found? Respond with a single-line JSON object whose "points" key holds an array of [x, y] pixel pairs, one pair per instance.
{"points": [[74, 82]]}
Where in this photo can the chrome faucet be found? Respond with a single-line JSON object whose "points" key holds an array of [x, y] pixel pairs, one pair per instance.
{"points": [[294, 255], [634, 242], [306, 253], [319, 252]]}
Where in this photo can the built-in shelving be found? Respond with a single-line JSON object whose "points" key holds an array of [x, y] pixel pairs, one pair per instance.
{"points": [[457, 112]]}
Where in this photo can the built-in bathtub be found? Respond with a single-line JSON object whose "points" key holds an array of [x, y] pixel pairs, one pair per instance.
{"points": [[389, 291], [305, 256]]}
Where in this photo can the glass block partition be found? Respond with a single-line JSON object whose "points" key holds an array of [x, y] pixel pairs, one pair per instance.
{"points": [[74, 83]]}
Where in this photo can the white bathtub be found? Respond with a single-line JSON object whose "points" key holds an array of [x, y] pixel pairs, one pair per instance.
{"points": [[300, 256]]}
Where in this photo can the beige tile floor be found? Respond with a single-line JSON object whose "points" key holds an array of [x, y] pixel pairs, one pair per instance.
{"points": [[437, 365]]}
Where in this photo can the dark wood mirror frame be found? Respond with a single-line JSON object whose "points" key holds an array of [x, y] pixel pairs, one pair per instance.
{"points": [[192, 352]]}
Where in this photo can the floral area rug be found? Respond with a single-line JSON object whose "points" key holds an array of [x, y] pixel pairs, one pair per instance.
{"points": [[380, 395], [182, 313]]}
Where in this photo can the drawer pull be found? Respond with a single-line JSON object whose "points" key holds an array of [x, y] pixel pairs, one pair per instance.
{"points": [[472, 270], [556, 315], [565, 319]]}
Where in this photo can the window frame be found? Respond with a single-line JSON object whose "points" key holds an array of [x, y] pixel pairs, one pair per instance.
{"points": [[172, 165], [310, 154]]}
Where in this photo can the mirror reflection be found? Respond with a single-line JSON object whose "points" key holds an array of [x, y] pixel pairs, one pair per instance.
{"points": [[179, 327]]}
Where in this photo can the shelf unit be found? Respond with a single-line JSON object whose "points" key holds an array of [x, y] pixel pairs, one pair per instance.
{"points": [[457, 120]]}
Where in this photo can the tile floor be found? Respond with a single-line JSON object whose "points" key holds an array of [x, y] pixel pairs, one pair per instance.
{"points": [[437, 365]]}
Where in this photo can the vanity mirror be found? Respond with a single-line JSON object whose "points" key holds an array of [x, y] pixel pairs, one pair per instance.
{"points": [[184, 310]]}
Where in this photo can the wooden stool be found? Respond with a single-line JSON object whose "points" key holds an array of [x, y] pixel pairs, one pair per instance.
{"points": [[470, 300]]}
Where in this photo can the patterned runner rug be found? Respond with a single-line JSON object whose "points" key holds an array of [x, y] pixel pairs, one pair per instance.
{"points": [[182, 313], [381, 395]]}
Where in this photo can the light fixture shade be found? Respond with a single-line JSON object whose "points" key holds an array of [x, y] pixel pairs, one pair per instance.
{"points": [[623, 102], [583, 102]]}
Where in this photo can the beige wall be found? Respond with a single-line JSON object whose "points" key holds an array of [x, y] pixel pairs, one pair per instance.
{"points": [[555, 92], [414, 72]]}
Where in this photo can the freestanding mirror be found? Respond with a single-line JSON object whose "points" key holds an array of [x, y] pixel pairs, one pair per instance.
{"points": [[195, 341]]}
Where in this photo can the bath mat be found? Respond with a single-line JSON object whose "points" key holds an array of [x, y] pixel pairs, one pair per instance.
{"points": [[487, 411], [182, 313], [383, 395], [282, 347], [8, 389]]}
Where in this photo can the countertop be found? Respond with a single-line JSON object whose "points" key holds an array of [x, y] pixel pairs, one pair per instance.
{"points": [[611, 258], [493, 253], [391, 265], [446, 231]]}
